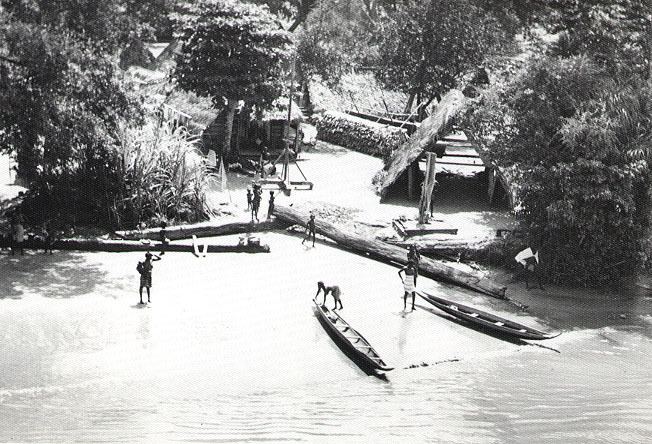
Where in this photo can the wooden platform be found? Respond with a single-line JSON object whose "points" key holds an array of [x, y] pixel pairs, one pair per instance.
{"points": [[413, 228]]}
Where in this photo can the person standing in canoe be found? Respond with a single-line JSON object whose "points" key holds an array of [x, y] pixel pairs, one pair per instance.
{"points": [[334, 290], [145, 270], [409, 278], [310, 229]]}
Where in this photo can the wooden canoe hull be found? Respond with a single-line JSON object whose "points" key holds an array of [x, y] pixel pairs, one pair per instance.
{"points": [[362, 359], [485, 320]]}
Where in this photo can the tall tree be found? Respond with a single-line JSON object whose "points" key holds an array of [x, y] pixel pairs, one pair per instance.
{"points": [[337, 37], [432, 43], [231, 51], [63, 105], [617, 34]]}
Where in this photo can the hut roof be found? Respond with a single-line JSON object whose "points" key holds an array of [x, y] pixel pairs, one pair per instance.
{"points": [[430, 130]]}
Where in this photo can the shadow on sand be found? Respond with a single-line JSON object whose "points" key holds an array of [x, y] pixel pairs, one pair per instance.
{"points": [[65, 274]]}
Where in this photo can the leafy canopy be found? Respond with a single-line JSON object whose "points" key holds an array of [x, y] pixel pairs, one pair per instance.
{"points": [[232, 51], [582, 145], [430, 44]]}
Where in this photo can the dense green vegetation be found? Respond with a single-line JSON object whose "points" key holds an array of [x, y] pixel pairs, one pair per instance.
{"points": [[567, 105], [231, 52]]}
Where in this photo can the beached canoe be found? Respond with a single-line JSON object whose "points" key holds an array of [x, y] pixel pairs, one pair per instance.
{"points": [[352, 343], [485, 320]]}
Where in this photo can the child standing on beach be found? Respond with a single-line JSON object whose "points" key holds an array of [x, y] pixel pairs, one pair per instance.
{"points": [[145, 270]]}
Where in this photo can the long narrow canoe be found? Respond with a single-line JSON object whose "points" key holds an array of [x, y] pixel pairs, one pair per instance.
{"points": [[352, 343], [484, 319]]}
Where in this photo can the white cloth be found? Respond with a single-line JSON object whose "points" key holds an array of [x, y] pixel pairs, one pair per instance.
{"points": [[522, 257], [408, 284]]}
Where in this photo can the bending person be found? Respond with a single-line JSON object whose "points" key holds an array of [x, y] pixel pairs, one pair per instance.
{"points": [[334, 290]]}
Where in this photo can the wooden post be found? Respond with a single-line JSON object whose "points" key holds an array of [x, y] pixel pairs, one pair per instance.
{"points": [[410, 173], [427, 188], [491, 185]]}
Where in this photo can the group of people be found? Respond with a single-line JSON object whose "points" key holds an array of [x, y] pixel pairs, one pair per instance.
{"points": [[18, 234], [254, 197], [408, 275]]}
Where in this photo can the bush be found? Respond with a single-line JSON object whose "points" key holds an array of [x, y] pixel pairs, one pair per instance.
{"points": [[582, 145], [164, 178]]}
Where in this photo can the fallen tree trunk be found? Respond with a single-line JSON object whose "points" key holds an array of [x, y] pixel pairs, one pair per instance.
{"points": [[204, 229], [445, 246], [118, 246], [392, 254]]}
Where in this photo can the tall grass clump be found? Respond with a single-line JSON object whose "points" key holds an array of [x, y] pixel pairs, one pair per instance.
{"points": [[164, 177]]}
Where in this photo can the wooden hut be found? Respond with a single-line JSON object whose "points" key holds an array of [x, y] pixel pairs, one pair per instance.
{"points": [[437, 135], [272, 128]]}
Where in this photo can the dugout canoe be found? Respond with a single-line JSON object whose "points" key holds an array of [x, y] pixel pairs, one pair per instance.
{"points": [[350, 341], [485, 320]]}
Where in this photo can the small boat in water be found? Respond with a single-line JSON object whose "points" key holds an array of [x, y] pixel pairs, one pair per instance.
{"points": [[485, 320], [352, 343]]}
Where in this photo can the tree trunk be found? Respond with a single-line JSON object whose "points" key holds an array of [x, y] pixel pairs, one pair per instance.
{"points": [[391, 254], [231, 106], [206, 229], [304, 10], [410, 102], [427, 187], [118, 246]]}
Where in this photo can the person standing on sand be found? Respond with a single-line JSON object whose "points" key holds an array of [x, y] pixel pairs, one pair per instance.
{"points": [[249, 199], [334, 290], [414, 256], [409, 283], [48, 237], [270, 209], [311, 230], [529, 259], [255, 203], [17, 233], [145, 270], [162, 236]]}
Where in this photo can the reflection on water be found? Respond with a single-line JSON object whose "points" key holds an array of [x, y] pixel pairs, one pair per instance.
{"points": [[193, 367]]}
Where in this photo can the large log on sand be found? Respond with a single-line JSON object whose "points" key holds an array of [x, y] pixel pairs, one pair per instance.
{"points": [[204, 229], [392, 254], [118, 246]]}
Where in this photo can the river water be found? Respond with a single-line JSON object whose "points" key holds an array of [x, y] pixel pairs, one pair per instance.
{"points": [[230, 350]]}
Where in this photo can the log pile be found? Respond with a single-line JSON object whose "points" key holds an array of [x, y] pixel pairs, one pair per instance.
{"points": [[359, 134], [392, 254]]}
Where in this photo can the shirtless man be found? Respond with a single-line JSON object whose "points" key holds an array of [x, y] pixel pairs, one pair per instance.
{"points": [[310, 230], [334, 290], [409, 282]]}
